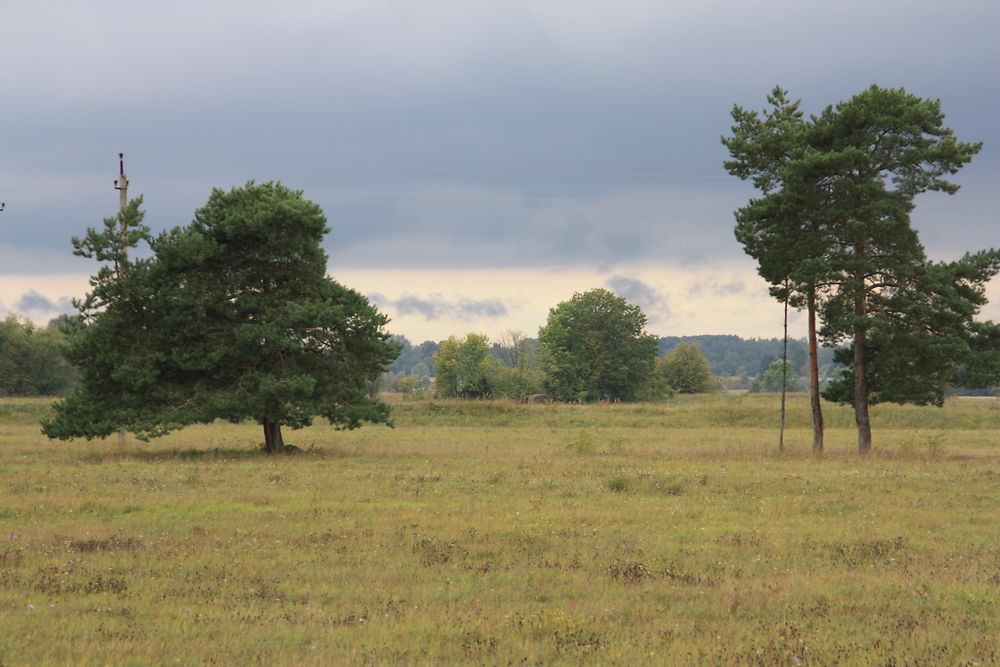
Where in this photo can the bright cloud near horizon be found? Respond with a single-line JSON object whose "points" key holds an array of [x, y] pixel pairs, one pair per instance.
{"points": [[479, 162]]}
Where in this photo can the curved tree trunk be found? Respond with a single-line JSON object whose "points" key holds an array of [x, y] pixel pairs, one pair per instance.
{"points": [[273, 442], [817, 410]]}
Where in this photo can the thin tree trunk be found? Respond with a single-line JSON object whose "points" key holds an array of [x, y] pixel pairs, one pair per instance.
{"points": [[273, 442], [861, 384], [817, 410], [784, 375]]}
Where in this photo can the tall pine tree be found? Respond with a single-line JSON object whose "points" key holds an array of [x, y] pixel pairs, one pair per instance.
{"points": [[782, 230]]}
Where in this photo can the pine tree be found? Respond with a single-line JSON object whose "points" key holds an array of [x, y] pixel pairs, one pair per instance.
{"points": [[783, 229], [231, 317], [876, 152]]}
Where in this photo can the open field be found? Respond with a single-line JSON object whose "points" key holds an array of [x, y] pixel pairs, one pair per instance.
{"points": [[500, 533]]}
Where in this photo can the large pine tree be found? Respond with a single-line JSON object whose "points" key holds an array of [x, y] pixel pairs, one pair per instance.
{"points": [[231, 317]]}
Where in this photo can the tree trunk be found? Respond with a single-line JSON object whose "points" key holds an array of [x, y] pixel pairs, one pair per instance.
{"points": [[861, 391], [817, 410], [273, 442], [784, 374]]}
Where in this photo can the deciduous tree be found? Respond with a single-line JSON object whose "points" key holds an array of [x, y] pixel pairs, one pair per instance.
{"points": [[31, 363], [781, 373], [463, 367], [686, 370], [594, 347]]}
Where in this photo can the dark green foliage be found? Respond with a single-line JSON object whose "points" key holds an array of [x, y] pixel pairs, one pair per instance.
{"points": [[780, 230], [979, 368], [926, 340], [594, 347], [232, 317], [31, 363]]}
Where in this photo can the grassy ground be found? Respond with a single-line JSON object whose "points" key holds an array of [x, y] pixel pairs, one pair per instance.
{"points": [[499, 533]]}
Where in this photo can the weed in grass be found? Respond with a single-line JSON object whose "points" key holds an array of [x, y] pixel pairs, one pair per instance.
{"points": [[617, 484], [582, 444], [434, 552], [929, 445]]}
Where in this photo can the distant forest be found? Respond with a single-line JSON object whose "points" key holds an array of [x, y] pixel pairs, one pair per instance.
{"points": [[728, 355]]}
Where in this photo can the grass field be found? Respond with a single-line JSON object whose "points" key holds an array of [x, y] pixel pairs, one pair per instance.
{"points": [[498, 533]]}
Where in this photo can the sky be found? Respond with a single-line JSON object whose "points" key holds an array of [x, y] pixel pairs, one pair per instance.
{"points": [[479, 161]]}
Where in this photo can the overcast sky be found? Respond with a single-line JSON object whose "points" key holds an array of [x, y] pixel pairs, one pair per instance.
{"points": [[479, 161]]}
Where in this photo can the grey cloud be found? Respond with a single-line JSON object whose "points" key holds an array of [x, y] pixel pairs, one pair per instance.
{"points": [[713, 288], [512, 227], [33, 302], [652, 302], [436, 307]]}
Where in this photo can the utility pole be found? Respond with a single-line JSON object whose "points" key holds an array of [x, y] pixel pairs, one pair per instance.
{"points": [[122, 186]]}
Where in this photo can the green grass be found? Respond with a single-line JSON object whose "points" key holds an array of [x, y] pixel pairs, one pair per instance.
{"points": [[492, 532]]}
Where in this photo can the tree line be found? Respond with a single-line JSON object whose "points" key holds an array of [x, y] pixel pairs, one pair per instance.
{"points": [[737, 363]]}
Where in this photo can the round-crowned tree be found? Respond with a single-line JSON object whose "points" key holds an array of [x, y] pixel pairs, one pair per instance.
{"points": [[594, 347]]}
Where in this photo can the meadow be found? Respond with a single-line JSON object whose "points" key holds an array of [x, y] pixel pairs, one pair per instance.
{"points": [[500, 533]]}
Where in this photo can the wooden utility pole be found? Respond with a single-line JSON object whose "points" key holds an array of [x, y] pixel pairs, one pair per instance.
{"points": [[122, 186]]}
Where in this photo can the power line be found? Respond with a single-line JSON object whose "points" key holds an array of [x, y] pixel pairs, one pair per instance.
{"points": [[442, 195], [55, 186], [457, 170]]}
